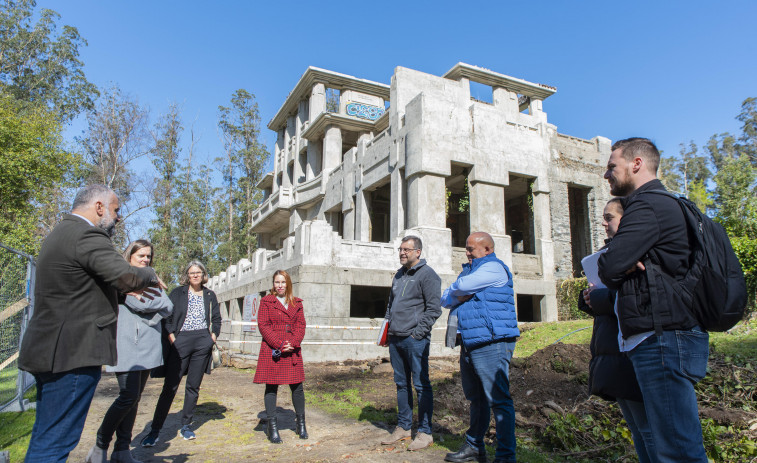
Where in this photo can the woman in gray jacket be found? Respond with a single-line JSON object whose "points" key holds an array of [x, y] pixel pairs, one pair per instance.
{"points": [[139, 350]]}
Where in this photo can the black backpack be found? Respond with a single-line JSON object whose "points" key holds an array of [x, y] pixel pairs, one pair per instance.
{"points": [[714, 287]]}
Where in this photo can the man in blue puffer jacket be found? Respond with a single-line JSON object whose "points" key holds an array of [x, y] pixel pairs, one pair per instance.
{"points": [[484, 301]]}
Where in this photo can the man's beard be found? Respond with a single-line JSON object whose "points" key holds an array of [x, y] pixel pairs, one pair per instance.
{"points": [[619, 188], [108, 224]]}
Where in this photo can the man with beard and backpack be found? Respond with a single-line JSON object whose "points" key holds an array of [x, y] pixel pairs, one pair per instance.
{"points": [[655, 263]]}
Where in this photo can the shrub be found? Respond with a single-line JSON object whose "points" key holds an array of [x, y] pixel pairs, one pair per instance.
{"points": [[568, 292]]}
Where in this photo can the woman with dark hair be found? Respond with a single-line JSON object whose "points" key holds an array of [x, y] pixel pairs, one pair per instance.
{"points": [[611, 374], [139, 350], [282, 324], [188, 330]]}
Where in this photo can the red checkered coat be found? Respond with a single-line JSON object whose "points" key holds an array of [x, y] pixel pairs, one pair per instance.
{"points": [[278, 324]]}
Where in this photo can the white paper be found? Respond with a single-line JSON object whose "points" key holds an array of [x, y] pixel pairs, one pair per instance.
{"points": [[591, 269]]}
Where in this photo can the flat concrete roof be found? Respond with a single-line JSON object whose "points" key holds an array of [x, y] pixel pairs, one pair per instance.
{"points": [[314, 75], [495, 79]]}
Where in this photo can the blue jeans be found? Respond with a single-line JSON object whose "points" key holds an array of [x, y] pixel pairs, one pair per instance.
{"points": [[643, 440], [62, 404], [485, 376], [410, 360], [667, 367]]}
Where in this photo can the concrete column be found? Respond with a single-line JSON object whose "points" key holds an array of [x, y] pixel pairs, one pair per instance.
{"points": [[506, 100], [317, 103], [487, 208], [332, 148], [277, 159], [314, 159], [397, 203], [426, 195], [544, 247], [362, 216], [348, 219], [487, 214], [535, 109], [285, 182], [299, 169]]}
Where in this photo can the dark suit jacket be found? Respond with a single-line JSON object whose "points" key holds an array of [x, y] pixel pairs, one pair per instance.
{"points": [[79, 275], [180, 298]]}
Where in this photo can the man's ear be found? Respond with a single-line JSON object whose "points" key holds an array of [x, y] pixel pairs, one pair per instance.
{"points": [[637, 164], [100, 208]]}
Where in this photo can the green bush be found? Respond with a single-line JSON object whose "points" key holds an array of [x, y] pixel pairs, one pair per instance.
{"points": [[746, 250], [568, 292], [726, 443]]}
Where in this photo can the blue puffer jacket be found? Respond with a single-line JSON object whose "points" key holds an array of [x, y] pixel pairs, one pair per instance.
{"points": [[490, 314]]}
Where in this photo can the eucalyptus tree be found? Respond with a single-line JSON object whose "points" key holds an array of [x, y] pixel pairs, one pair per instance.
{"points": [[242, 168], [116, 136], [39, 64]]}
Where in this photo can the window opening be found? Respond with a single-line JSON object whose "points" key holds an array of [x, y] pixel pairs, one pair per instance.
{"points": [[368, 301]]}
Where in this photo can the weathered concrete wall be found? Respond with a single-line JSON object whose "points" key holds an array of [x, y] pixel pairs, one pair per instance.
{"points": [[432, 123]]}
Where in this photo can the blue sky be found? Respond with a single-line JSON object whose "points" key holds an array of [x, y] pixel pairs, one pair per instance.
{"points": [[670, 71]]}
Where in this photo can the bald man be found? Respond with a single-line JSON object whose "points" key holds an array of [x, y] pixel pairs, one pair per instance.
{"points": [[483, 299]]}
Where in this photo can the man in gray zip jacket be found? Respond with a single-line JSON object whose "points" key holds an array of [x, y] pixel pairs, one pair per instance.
{"points": [[413, 308]]}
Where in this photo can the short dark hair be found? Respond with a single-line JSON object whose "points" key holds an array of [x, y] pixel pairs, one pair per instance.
{"points": [[617, 201], [417, 243], [91, 193], [639, 147]]}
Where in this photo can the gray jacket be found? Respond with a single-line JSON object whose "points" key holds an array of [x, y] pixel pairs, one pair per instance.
{"points": [[139, 331], [414, 303]]}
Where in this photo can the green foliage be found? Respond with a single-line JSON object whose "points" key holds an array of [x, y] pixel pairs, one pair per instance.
{"points": [[687, 174], [165, 154], [34, 163], [39, 64], [590, 436], [463, 205], [735, 158], [568, 292], [746, 250], [243, 168], [727, 443], [734, 196]]}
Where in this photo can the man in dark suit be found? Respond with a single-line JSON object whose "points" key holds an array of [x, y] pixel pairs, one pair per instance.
{"points": [[72, 331]]}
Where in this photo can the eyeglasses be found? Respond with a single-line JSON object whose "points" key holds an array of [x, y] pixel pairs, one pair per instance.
{"points": [[195, 274], [405, 250]]}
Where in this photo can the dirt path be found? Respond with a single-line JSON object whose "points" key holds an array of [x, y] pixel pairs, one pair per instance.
{"points": [[227, 423]]}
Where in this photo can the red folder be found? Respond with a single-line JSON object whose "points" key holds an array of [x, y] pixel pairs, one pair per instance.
{"points": [[382, 337]]}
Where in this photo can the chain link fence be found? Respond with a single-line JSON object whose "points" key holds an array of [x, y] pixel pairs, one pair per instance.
{"points": [[16, 289]]}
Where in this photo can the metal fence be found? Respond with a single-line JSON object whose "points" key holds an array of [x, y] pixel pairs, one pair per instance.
{"points": [[16, 290]]}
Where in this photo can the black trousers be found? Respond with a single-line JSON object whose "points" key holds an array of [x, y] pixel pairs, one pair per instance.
{"points": [[298, 399], [119, 418], [189, 355]]}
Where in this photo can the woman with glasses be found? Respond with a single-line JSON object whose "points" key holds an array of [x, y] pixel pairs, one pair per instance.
{"points": [[282, 325], [139, 351], [190, 339]]}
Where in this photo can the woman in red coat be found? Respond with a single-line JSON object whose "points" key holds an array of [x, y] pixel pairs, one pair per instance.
{"points": [[282, 325]]}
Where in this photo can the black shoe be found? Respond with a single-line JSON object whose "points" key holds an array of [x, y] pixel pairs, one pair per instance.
{"points": [[300, 425], [273, 431], [150, 439], [466, 453]]}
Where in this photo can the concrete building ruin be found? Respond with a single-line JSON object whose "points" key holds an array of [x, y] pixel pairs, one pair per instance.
{"points": [[360, 164]]}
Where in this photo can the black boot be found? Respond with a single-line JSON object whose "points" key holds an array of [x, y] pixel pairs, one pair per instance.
{"points": [[273, 431], [301, 430]]}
